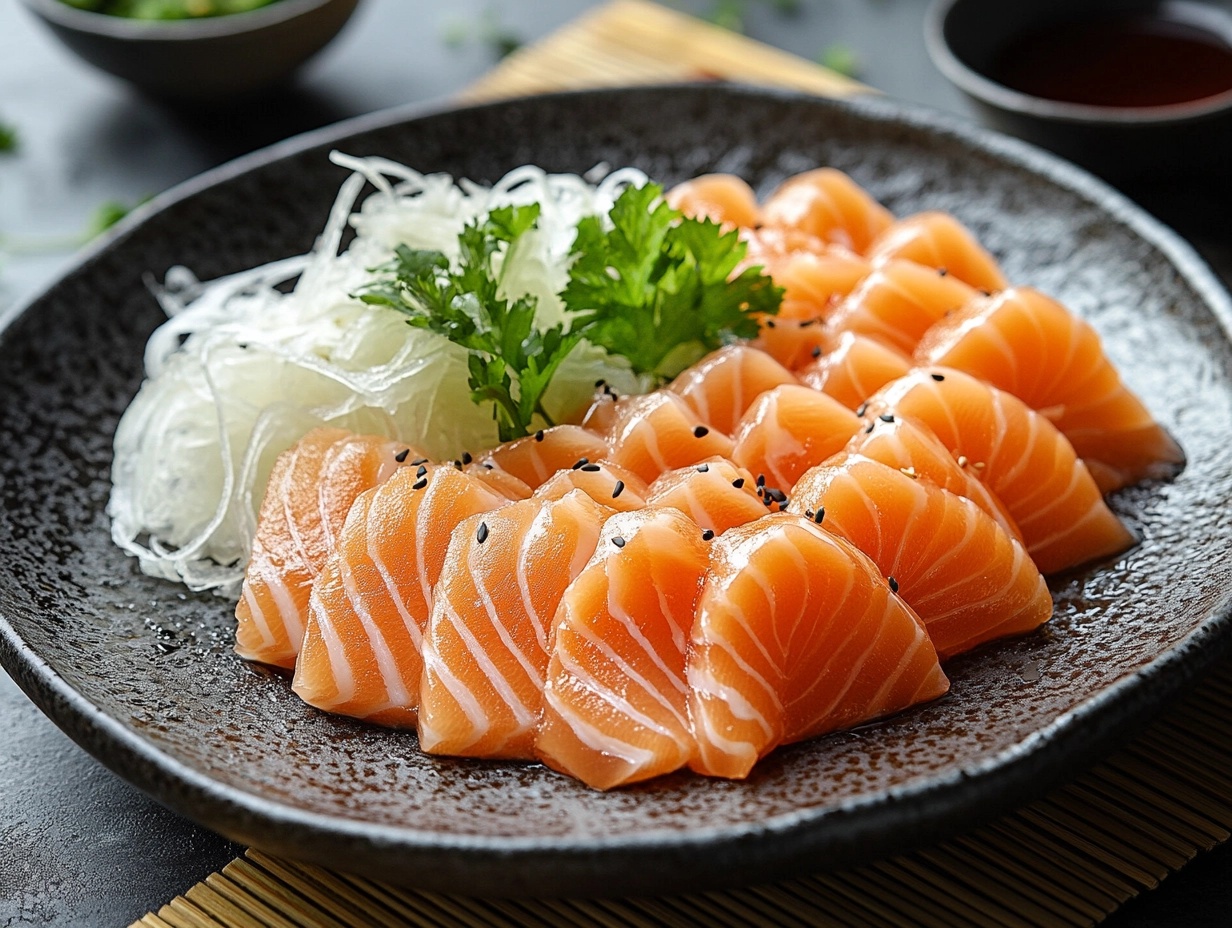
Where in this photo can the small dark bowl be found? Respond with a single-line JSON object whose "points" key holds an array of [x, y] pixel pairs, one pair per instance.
{"points": [[964, 38], [200, 60]]}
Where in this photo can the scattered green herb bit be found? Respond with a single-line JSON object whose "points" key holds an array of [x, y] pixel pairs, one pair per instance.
{"points": [[8, 138], [487, 29], [511, 360], [657, 288], [840, 58], [168, 9], [106, 215], [730, 14]]}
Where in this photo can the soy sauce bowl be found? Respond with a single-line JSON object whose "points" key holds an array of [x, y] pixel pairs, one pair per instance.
{"points": [[206, 60], [965, 39]]}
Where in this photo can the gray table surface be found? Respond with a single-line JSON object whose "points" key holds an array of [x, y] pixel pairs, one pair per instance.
{"points": [[78, 846]]}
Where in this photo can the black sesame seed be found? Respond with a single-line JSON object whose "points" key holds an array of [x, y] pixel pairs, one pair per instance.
{"points": [[590, 468], [618, 541], [703, 468], [738, 482], [457, 465], [482, 534], [808, 513], [868, 428], [418, 461], [618, 489], [767, 502], [466, 457], [886, 417], [816, 352], [761, 491], [938, 377], [776, 494], [420, 484], [581, 462], [707, 534], [701, 432], [942, 271], [984, 292], [401, 455], [807, 322], [600, 382], [539, 435], [893, 584], [862, 409], [819, 515], [769, 323], [761, 480], [489, 465], [421, 470]]}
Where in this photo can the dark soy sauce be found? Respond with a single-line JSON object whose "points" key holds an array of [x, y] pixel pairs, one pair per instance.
{"points": [[1120, 60]]}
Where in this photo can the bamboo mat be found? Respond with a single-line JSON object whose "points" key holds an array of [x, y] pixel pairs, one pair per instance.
{"points": [[1070, 858]]}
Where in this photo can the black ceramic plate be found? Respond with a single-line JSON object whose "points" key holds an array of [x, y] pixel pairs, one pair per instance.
{"points": [[142, 674]]}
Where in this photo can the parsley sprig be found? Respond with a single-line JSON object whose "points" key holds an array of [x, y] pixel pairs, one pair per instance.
{"points": [[647, 283], [658, 288], [512, 359]]}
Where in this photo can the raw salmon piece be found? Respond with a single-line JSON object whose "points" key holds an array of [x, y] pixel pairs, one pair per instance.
{"points": [[794, 344], [770, 245], [723, 198], [1020, 456], [940, 241], [829, 204], [898, 302], [485, 649], [499, 480], [722, 385], [916, 451], [372, 601], [658, 432], [606, 483], [853, 367], [790, 429], [537, 457], [1033, 347], [955, 566], [615, 703], [310, 491], [814, 282], [797, 634], [716, 494]]}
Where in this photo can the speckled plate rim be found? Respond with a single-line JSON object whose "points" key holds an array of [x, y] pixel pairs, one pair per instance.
{"points": [[806, 840]]}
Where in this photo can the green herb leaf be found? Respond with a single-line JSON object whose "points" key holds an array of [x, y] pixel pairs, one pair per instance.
{"points": [[8, 138], [657, 288], [511, 360], [840, 58]]}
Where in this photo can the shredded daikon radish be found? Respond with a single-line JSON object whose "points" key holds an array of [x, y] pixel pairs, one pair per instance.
{"points": [[241, 370]]}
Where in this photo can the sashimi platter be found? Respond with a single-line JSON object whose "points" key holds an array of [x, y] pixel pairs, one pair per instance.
{"points": [[532, 497]]}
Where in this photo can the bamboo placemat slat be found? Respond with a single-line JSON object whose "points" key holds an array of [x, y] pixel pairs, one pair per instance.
{"points": [[1070, 858], [637, 42]]}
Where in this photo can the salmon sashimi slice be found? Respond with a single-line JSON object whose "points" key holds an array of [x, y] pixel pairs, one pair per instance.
{"points": [[828, 204], [853, 367], [814, 282], [955, 566], [723, 198], [790, 429], [499, 480], [1020, 456], [794, 344], [485, 650], [716, 494], [537, 457], [797, 634], [721, 386], [940, 241], [898, 302], [768, 246], [615, 705], [606, 483], [309, 493], [659, 432], [1027, 344], [373, 598], [917, 452]]}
